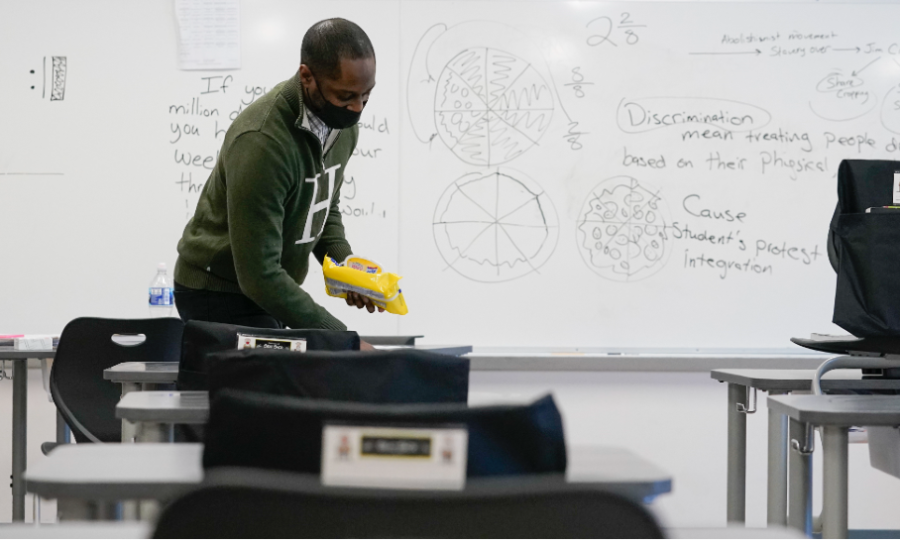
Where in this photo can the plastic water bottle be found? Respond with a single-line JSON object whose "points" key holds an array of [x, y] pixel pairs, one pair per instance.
{"points": [[162, 299]]}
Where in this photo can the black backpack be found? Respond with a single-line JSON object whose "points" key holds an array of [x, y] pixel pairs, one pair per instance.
{"points": [[864, 249], [201, 339]]}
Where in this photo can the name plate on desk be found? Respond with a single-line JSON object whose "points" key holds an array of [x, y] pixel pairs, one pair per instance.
{"points": [[254, 342], [394, 458]]}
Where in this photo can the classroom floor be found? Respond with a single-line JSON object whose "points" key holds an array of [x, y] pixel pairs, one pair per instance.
{"points": [[675, 420]]}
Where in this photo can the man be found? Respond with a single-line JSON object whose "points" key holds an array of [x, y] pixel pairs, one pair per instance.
{"points": [[272, 197]]}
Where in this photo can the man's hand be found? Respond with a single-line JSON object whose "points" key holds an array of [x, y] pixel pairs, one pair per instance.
{"points": [[361, 301], [363, 346]]}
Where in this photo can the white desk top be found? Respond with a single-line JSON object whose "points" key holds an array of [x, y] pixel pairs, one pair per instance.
{"points": [[11, 354], [173, 407], [121, 530], [732, 533], [801, 380], [159, 471], [167, 372], [142, 372], [116, 471], [840, 410]]}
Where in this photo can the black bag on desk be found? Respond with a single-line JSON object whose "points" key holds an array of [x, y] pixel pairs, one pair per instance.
{"points": [[409, 376], [201, 339], [864, 248], [248, 429]]}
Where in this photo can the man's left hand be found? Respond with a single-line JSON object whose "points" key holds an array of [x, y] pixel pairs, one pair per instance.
{"points": [[361, 301]]}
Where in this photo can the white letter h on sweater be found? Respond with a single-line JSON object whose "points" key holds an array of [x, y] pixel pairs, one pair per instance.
{"points": [[325, 205]]}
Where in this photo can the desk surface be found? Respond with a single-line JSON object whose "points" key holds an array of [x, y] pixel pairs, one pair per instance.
{"points": [[167, 372], [160, 471], [142, 372], [121, 530], [116, 471], [840, 410], [452, 350], [732, 533], [12, 354], [178, 407], [801, 380]]}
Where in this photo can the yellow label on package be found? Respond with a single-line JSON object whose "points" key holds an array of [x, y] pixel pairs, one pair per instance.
{"points": [[365, 277]]}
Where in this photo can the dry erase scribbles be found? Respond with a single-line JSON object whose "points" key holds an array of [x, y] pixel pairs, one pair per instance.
{"points": [[843, 95], [58, 80], [491, 106], [482, 89], [622, 230], [495, 226]]}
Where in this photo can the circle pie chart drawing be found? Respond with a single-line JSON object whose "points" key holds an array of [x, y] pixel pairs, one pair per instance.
{"points": [[491, 106], [495, 226], [622, 230]]}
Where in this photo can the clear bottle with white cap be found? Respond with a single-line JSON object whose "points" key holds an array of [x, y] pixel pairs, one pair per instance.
{"points": [[162, 299]]}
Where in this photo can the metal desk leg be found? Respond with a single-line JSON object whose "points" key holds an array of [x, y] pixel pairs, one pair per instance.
{"points": [[149, 510], [19, 436], [737, 454], [128, 428], [74, 509], [800, 476], [130, 509], [154, 433], [834, 485], [776, 514]]}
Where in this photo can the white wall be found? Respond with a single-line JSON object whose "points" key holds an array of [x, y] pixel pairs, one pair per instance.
{"points": [[675, 420]]}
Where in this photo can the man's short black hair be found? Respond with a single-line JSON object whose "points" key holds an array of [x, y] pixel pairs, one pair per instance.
{"points": [[329, 41]]}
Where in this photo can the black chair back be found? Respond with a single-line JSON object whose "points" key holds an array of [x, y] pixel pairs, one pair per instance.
{"points": [[86, 401], [251, 504], [864, 250], [407, 376], [202, 339], [249, 429], [862, 183]]}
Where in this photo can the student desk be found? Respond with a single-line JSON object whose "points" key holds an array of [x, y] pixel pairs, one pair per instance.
{"points": [[20, 421], [835, 414], [732, 533], [124, 530], [136, 376], [83, 476], [740, 383], [155, 412]]}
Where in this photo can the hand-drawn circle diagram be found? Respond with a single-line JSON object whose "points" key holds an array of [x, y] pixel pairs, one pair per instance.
{"points": [[622, 230], [495, 226], [491, 106]]}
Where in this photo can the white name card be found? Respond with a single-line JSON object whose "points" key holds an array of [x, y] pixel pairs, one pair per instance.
{"points": [[394, 458], [254, 342], [33, 343]]}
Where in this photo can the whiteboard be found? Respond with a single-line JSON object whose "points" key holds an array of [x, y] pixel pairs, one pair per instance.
{"points": [[568, 174]]}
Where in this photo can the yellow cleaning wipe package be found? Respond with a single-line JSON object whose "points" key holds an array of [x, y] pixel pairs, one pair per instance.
{"points": [[357, 274]]}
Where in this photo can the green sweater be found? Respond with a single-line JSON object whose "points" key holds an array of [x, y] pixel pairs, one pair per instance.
{"points": [[271, 199]]}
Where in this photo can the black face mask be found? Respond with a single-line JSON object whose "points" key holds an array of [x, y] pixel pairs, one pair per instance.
{"points": [[334, 116]]}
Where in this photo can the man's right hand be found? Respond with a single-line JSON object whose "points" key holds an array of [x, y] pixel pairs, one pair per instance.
{"points": [[360, 301], [364, 346]]}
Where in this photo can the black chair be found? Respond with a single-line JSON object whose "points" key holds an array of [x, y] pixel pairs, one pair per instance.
{"points": [[248, 504], [202, 339], [407, 376], [249, 429], [864, 252], [87, 346]]}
